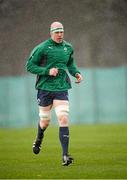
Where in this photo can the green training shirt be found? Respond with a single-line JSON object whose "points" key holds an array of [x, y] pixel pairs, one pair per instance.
{"points": [[50, 54]]}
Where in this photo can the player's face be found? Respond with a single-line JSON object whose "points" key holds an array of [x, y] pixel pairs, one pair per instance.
{"points": [[57, 36]]}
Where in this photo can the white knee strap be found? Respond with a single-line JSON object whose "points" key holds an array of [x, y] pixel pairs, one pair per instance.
{"points": [[62, 110], [44, 115]]}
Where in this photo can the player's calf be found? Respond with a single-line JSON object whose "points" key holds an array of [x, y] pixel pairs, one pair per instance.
{"points": [[42, 125], [39, 138]]}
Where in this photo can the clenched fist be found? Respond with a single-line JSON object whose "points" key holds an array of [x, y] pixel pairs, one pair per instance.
{"points": [[79, 78], [53, 72]]}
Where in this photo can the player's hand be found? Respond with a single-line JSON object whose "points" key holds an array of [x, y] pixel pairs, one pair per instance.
{"points": [[79, 78], [53, 72]]}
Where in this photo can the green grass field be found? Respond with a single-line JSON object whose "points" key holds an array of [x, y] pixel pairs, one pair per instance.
{"points": [[100, 152]]}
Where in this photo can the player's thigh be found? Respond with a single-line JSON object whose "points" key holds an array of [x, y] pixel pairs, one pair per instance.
{"points": [[45, 115], [60, 102], [61, 108], [62, 111]]}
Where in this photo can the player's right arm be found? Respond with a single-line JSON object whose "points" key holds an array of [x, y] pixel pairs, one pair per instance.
{"points": [[34, 61]]}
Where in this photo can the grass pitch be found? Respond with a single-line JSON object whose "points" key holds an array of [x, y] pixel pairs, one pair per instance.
{"points": [[100, 152]]}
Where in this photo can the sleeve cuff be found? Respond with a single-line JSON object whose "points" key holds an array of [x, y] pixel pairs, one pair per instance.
{"points": [[47, 72]]}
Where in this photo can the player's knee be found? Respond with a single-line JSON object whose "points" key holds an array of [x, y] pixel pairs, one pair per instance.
{"points": [[63, 120], [44, 118], [44, 123], [62, 112]]}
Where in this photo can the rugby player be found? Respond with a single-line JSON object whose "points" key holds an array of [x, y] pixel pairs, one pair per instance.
{"points": [[51, 61]]}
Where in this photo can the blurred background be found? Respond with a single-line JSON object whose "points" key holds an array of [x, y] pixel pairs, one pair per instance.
{"points": [[98, 32]]}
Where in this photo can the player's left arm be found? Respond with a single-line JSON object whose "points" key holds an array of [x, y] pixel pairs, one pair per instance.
{"points": [[73, 70]]}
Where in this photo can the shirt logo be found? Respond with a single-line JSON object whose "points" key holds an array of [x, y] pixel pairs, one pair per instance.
{"points": [[65, 49], [50, 47]]}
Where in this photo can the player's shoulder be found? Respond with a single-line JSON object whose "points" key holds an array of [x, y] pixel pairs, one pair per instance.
{"points": [[40, 46], [43, 44], [68, 45]]}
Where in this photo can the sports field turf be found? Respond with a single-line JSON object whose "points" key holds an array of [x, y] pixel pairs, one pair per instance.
{"points": [[100, 152]]}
